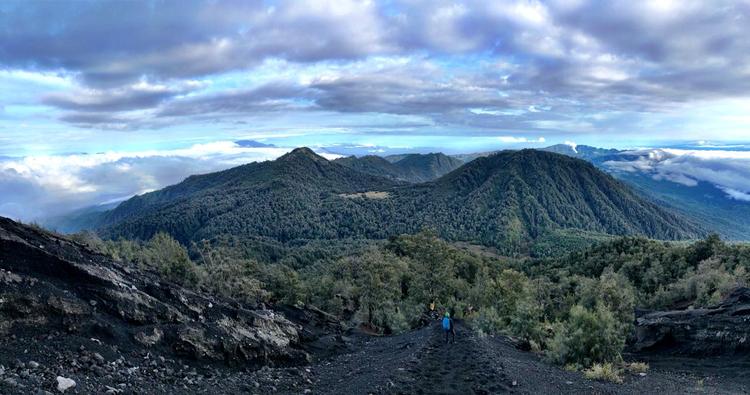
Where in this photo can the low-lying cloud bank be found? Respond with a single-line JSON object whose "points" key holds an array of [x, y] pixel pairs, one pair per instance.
{"points": [[727, 170], [37, 187]]}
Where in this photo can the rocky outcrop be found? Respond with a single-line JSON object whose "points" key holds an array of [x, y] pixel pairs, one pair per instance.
{"points": [[51, 284], [721, 329]]}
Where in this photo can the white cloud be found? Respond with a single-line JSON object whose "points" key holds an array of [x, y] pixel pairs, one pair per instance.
{"points": [[519, 140], [725, 169], [55, 79], [737, 195]]}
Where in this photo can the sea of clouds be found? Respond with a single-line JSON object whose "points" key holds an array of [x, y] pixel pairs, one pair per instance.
{"points": [[728, 170], [38, 187]]}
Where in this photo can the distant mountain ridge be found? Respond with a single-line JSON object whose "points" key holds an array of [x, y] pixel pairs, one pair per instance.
{"points": [[413, 168], [253, 144], [506, 200]]}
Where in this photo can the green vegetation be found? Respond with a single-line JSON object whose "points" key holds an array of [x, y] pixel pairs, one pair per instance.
{"points": [[578, 309], [522, 203], [637, 367], [586, 337], [410, 167], [604, 372], [292, 231], [662, 275]]}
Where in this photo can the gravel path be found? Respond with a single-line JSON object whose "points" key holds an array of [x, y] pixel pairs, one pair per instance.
{"points": [[420, 362], [417, 362]]}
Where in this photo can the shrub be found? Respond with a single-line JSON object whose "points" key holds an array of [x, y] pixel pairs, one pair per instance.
{"points": [[587, 337], [171, 259], [603, 372], [488, 321], [235, 279], [614, 292], [284, 281], [703, 287], [508, 302], [525, 322]]}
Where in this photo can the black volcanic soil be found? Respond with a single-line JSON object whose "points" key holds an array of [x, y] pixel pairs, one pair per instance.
{"points": [[414, 363], [420, 363]]}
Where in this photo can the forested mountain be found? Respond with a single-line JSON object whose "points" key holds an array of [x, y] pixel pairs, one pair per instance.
{"points": [[506, 200], [409, 167], [271, 191], [371, 164], [511, 197], [586, 152], [426, 167]]}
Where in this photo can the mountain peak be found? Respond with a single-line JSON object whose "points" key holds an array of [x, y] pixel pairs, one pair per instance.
{"points": [[302, 152]]}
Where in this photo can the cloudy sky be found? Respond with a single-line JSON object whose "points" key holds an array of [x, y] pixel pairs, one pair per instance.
{"points": [[103, 99]]}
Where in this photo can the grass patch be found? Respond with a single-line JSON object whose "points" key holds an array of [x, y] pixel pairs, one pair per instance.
{"points": [[637, 367], [366, 195], [603, 372]]}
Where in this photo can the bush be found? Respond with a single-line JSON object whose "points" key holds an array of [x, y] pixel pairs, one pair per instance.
{"points": [[587, 337], [603, 372], [508, 302], [170, 258], [703, 287], [284, 282], [488, 321], [236, 280], [525, 322], [614, 292]]}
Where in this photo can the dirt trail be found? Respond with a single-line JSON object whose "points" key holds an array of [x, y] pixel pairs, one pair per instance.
{"points": [[461, 367], [420, 362], [417, 362]]}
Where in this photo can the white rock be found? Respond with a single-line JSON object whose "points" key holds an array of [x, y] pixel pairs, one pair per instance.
{"points": [[64, 383]]}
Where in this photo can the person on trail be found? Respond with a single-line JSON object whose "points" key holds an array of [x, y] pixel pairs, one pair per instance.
{"points": [[449, 328], [433, 314]]}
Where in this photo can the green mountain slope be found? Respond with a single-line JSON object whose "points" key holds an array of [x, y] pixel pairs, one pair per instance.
{"points": [[371, 164], [278, 198], [413, 168], [528, 193], [506, 200], [427, 167]]}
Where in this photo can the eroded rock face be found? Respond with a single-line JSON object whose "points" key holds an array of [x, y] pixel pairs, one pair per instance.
{"points": [[48, 283], [721, 329]]}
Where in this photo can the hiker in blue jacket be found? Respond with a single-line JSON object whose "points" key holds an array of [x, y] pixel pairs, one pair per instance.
{"points": [[449, 328]]}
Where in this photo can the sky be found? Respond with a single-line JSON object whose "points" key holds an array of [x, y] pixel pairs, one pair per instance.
{"points": [[100, 100]]}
